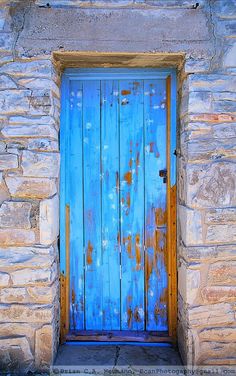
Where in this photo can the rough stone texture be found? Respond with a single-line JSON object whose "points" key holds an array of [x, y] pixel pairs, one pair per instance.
{"points": [[30, 32], [49, 220], [15, 214]]}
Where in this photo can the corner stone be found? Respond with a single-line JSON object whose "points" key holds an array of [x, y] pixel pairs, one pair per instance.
{"points": [[49, 220], [44, 347]]}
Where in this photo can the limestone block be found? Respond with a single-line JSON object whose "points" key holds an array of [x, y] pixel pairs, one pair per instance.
{"points": [[8, 161], [31, 120], [13, 258], [40, 164], [4, 193], [29, 131], [212, 82], [14, 101], [32, 277], [37, 84], [7, 83], [28, 68], [191, 223], [22, 187], [216, 294], [16, 237], [211, 315], [207, 253], [44, 346], [18, 330], [214, 353], [222, 273], [41, 104], [49, 220], [29, 294], [189, 279], [211, 185], [222, 234], [230, 57], [220, 216], [221, 334], [199, 102], [15, 214], [15, 354], [4, 279], [26, 313], [43, 144]]}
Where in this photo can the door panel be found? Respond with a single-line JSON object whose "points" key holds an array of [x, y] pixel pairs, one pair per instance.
{"points": [[74, 194], [132, 204], [115, 147], [92, 204], [110, 287], [155, 205]]}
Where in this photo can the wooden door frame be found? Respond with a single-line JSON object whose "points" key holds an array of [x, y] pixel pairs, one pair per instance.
{"points": [[171, 97]]}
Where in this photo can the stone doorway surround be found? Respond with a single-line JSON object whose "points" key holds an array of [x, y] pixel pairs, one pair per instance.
{"points": [[30, 160]]}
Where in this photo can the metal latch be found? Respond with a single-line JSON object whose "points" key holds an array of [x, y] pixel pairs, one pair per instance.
{"points": [[163, 174]]}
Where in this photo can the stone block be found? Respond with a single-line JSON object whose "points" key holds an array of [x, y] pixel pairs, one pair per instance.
{"points": [[229, 59], [22, 187], [29, 295], [26, 313], [189, 279], [221, 334], [191, 226], [40, 164], [28, 68], [15, 355], [14, 258], [29, 131], [43, 144], [212, 82], [44, 347], [222, 273], [4, 279], [211, 185], [49, 220], [217, 294], [15, 214], [211, 315], [4, 193], [7, 83], [207, 253], [14, 101], [221, 234], [199, 102], [18, 330], [213, 353], [220, 216], [8, 161], [31, 277], [31, 120], [16, 237]]}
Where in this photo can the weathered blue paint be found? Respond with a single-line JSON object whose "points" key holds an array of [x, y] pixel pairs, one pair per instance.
{"points": [[75, 200], [132, 204], [110, 286], [113, 144], [155, 204]]}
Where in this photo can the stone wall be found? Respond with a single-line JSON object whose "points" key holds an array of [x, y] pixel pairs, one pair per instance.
{"points": [[30, 31]]}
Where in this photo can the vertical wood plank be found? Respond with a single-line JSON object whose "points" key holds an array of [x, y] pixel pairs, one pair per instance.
{"points": [[110, 205], [75, 198], [171, 211], [132, 204], [155, 205], [92, 205]]}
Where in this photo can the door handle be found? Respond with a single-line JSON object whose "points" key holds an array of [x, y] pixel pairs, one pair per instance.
{"points": [[163, 174]]}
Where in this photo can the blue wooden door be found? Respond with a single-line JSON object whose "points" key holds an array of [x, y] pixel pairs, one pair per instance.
{"points": [[114, 145]]}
